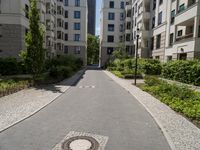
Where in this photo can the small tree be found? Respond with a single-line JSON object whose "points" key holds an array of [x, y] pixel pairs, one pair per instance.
{"points": [[119, 53], [92, 49], [35, 53]]}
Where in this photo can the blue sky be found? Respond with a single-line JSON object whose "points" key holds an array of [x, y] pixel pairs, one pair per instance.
{"points": [[98, 8]]}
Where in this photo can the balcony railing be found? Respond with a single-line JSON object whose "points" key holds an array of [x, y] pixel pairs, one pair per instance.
{"points": [[184, 37]]}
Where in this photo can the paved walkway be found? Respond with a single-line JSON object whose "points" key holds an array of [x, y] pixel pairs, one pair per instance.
{"points": [[96, 105], [20, 105], [180, 133]]}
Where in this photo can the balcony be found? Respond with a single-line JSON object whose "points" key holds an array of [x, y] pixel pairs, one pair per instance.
{"points": [[187, 36], [187, 12]]}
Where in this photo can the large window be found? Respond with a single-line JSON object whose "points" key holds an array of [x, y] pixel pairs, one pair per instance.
{"points": [[77, 26], [173, 13], [77, 14], [111, 16], [66, 2], [160, 18], [77, 37], [158, 41], [122, 5], [110, 39], [26, 11], [112, 4], [77, 3], [111, 27]]}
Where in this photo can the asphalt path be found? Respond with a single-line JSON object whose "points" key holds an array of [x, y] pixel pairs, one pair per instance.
{"points": [[97, 105]]}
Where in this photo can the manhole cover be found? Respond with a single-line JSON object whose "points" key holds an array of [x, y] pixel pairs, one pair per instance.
{"points": [[80, 143]]}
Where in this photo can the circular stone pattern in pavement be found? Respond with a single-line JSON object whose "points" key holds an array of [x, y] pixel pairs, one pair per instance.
{"points": [[80, 143]]}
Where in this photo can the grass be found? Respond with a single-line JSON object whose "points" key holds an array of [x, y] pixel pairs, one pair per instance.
{"points": [[8, 86], [180, 98]]}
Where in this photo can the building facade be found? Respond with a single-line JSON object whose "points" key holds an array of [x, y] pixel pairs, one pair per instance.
{"points": [[112, 28], [91, 16], [65, 23], [168, 30]]}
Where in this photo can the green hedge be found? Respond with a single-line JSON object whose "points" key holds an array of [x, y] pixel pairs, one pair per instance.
{"points": [[127, 66], [186, 71], [179, 98], [11, 66]]}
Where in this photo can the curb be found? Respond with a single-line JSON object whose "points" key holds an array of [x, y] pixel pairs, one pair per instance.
{"points": [[166, 135], [79, 75]]}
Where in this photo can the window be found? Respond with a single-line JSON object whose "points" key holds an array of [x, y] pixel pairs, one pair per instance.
{"points": [[26, 11], [77, 26], [77, 37], [180, 32], [121, 16], [110, 39], [152, 43], [153, 22], [158, 41], [173, 13], [122, 6], [66, 49], [112, 4], [111, 16], [171, 39], [160, 18], [66, 14], [121, 28], [154, 4], [77, 3], [169, 58], [181, 8], [66, 25], [110, 50], [77, 14], [66, 37], [66, 3], [77, 50], [160, 2], [111, 27]]}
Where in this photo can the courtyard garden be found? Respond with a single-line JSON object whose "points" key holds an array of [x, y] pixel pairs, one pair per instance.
{"points": [[178, 94]]}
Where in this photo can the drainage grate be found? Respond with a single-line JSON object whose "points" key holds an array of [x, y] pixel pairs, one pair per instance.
{"points": [[80, 143]]}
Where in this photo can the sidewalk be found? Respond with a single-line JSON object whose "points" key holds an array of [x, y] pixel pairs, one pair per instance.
{"points": [[179, 132], [23, 104]]}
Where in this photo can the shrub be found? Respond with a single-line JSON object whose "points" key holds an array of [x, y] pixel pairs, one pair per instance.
{"points": [[151, 66], [60, 72], [179, 98], [10, 66], [186, 71]]}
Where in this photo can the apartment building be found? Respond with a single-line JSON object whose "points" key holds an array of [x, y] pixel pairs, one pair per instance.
{"points": [[72, 16], [112, 27], [14, 25], [183, 30], [167, 30], [65, 23], [91, 16]]}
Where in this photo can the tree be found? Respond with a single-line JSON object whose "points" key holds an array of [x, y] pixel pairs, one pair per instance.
{"points": [[120, 51], [92, 49], [35, 53]]}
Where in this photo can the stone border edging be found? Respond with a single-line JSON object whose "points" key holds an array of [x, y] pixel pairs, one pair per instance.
{"points": [[78, 74], [179, 132]]}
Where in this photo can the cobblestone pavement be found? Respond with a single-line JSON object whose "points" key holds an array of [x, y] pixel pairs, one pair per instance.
{"points": [[181, 134], [20, 105], [96, 105]]}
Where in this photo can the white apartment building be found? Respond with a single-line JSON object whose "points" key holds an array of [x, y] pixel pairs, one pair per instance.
{"points": [[14, 25], [72, 28], [112, 27], [65, 22], [167, 29], [183, 30]]}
